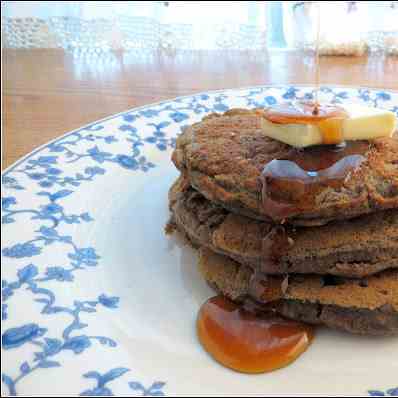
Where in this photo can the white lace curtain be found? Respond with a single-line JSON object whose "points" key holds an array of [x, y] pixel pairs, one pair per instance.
{"points": [[346, 27]]}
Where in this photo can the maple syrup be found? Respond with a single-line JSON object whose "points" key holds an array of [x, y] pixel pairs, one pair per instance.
{"points": [[329, 118], [244, 337], [317, 60], [274, 245], [290, 185], [265, 288], [247, 341]]}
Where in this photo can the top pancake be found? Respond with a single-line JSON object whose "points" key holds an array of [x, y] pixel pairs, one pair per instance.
{"points": [[224, 154]]}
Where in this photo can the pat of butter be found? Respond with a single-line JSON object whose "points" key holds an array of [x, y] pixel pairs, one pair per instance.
{"points": [[363, 123]]}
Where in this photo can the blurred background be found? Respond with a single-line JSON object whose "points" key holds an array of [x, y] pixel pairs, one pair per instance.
{"points": [[347, 27], [68, 63]]}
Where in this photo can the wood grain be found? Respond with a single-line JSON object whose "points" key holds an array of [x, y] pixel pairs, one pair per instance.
{"points": [[49, 92]]}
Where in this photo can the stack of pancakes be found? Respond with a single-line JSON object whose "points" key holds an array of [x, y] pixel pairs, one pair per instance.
{"points": [[339, 264]]}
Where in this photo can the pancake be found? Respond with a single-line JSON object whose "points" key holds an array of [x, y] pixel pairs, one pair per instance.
{"points": [[223, 157], [368, 307], [355, 248]]}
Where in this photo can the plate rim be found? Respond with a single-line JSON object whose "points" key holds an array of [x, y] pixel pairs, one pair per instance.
{"points": [[115, 115]]}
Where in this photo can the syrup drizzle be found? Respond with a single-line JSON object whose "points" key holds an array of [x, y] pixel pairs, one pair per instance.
{"points": [[275, 245], [242, 336], [290, 185], [317, 61], [265, 288]]}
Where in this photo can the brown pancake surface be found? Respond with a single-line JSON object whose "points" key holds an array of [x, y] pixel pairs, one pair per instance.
{"points": [[353, 248], [223, 157], [352, 305]]}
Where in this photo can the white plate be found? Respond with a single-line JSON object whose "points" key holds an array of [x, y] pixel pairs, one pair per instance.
{"points": [[97, 300]]}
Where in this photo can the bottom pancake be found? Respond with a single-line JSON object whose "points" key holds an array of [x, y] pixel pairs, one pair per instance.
{"points": [[368, 307]]}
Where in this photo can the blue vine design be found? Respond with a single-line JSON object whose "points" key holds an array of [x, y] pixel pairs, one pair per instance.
{"points": [[391, 392], [50, 347], [154, 390], [103, 390]]}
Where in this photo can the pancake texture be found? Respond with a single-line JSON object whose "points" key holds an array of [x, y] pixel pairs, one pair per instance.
{"points": [[322, 248], [358, 306], [223, 157], [352, 248]]}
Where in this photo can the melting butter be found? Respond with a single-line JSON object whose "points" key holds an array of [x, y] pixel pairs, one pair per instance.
{"points": [[363, 123]]}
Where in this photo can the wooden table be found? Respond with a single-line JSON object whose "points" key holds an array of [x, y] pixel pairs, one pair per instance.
{"points": [[49, 92]]}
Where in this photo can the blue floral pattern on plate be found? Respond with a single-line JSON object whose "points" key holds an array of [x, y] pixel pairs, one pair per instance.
{"points": [[37, 193], [391, 392]]}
